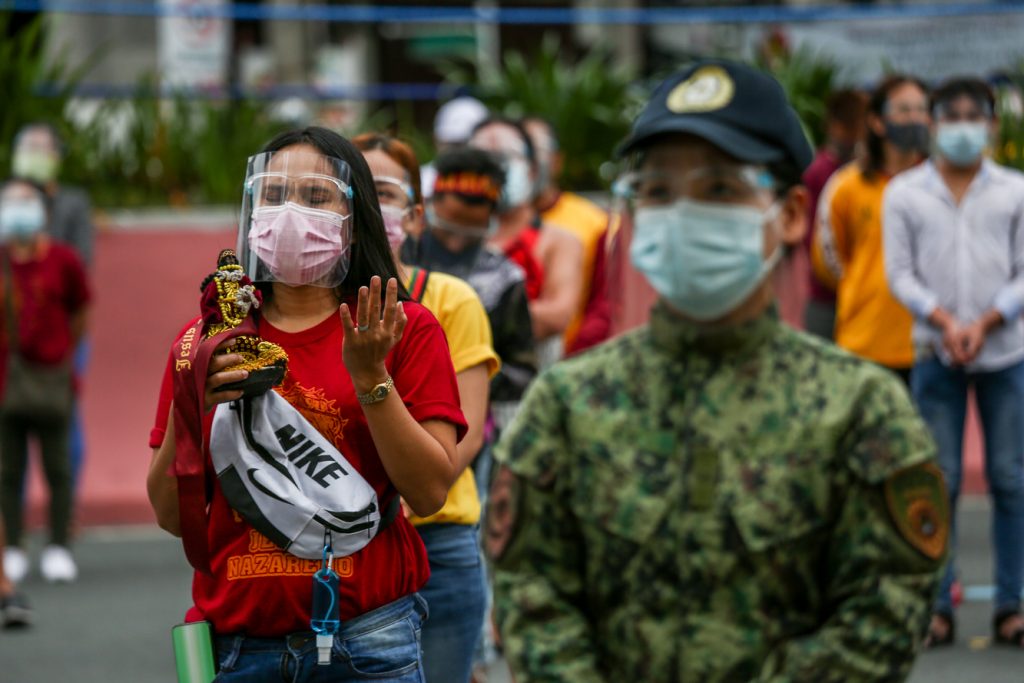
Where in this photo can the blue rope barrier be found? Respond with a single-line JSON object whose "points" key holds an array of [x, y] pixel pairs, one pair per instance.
{"points": [[369, 92], [517, 15]]}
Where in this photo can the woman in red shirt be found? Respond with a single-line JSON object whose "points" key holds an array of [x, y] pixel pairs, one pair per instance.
{"points": [[44, 284], [371, 371]]}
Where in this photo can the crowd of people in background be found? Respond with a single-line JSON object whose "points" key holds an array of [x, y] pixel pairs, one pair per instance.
{"points": [[913, 261], [916, 255]]}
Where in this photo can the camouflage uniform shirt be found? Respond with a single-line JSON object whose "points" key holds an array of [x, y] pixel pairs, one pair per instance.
{"points": [[746, 505]]}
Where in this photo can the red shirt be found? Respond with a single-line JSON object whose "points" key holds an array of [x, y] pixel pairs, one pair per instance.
{"points": [[521, 251], [48, 291], [258, 589], [597, 316], [817, 174]]}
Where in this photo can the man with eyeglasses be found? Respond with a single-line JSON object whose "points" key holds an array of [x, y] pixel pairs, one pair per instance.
{"points": [[715, 496], [954, 253]]}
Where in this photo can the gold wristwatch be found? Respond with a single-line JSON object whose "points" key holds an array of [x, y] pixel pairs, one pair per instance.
{"points": [[377, 394]]}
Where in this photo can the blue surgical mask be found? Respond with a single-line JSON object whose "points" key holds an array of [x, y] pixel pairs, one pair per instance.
{"points": [[21, 219], [517, 190], [704, 259], [961, 143]]}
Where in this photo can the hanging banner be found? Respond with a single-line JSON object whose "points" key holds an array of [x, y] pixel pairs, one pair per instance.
{"points": [[194, 44], [932, 48]]}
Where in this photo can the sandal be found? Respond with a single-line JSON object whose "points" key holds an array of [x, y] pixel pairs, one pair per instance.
{"points": [[1016, 638], [934, 638]]}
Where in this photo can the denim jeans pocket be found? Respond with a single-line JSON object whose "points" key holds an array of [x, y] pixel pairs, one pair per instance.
{"points": [[389, 651], [226, 652]]}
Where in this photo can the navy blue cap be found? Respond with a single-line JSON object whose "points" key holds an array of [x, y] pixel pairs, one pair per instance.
{"points": [[735, 107]]}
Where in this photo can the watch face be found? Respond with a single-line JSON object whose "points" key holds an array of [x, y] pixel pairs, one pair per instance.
{"points": [[380, 391]]}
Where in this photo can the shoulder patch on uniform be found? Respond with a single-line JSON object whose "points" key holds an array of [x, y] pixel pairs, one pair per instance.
{"points": [[919, 507], [502, 521]]}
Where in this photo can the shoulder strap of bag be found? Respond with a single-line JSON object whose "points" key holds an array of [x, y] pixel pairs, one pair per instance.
{"points": [[12, 325], [192, 355], [418, 285], [390, 513]]}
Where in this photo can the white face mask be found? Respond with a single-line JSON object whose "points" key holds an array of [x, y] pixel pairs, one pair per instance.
{"points": [[37, 165], [21, 219], [705, 259], [517, 190], [394, 224]]}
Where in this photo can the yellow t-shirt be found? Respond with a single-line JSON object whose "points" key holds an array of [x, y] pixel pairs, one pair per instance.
{"points": [[587, 221], [464, 321], [848, 255]]}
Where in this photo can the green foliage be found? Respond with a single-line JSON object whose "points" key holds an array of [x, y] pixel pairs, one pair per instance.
{"points": [[23, 69], [1009, 149], [152, 150], [590, 102], [139, 151], [808, 79], [399, 122]]}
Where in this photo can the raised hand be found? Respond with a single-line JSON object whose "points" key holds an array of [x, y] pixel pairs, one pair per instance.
{"points": [[372, 336]]}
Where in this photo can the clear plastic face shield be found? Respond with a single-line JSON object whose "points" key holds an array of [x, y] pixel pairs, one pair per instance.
{"points": [[716, 185], [719, 183], [508, 147], [396, 199], [393, 192], [296, 222], [462, 227]]}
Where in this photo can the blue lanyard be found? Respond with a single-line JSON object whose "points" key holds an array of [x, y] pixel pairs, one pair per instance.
{"points": [[325, 619]]}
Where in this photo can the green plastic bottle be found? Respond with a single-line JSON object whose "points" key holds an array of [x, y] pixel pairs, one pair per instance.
{"points": [[193, 652]]}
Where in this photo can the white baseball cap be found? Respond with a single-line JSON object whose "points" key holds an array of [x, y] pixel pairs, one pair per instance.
{"points": [[456, 119]]}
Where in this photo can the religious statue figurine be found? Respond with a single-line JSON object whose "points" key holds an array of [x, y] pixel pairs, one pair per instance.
{"points": [[228, 299]]}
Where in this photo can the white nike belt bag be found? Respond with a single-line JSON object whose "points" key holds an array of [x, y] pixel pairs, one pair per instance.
{"points": [[289, 482]]}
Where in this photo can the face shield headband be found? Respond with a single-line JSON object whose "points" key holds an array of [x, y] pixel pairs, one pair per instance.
{"points": [[296, 222]]}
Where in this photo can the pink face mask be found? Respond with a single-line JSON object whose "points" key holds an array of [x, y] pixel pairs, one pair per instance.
{"points": [[393, 218], [301, 246]]}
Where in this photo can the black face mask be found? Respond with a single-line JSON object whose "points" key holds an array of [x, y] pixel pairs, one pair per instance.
{"points": [[908, 137]]}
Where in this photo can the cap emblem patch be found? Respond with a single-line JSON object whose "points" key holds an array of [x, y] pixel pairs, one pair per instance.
{"points": [[708, 89]]}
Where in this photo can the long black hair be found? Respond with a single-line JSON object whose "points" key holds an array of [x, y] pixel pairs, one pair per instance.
{"points": [[371, 253], [877, 105]]}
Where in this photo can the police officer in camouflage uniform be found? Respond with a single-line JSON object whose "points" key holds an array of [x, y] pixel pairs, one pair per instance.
{"points": [[714, 496]]}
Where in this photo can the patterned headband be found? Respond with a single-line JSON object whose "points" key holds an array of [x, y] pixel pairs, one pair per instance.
{"points": [[468, 184]]}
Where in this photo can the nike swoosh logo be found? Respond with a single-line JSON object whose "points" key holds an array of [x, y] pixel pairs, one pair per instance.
{"points": [[252, 478]]}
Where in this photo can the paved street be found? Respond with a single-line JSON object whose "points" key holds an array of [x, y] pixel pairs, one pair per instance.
{"points": [[114, 624]]}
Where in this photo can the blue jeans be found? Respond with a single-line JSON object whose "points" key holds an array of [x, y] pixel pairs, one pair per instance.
{"points": [[76, 437], [941, 396], [382, 645], [457, 601], [482, 466]]}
